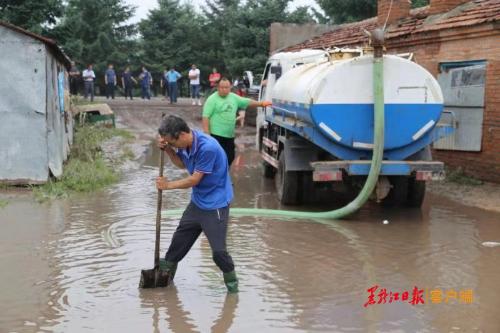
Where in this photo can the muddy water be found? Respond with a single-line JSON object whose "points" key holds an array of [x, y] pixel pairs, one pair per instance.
{"points": [[74, 265]]}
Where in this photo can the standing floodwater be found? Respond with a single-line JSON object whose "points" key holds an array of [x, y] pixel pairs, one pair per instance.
{"points": [[74, 265]]}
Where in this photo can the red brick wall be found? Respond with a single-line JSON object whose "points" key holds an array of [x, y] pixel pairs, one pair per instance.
{"points": [[441, 6], [486, 163], [400, 9]]}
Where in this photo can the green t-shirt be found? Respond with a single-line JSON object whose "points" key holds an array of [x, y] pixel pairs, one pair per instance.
{"points": [[221, 112]]}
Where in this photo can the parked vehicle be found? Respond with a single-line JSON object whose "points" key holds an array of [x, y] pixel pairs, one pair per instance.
{"points": [[319, 130]]}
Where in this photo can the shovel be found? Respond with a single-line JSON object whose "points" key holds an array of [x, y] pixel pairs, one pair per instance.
{"points": [[153, 278]]}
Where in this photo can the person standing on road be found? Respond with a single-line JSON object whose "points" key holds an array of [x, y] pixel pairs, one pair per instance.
{"points": [[164, 83], [194, 82], [214, 78], [74, 76], [146, 82], [128, 83], [88, 81], [110, 81], [171, 78], [219, 115], [212, 193]]}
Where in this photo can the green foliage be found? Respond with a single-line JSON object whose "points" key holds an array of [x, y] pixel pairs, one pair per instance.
{"points": [[79, 176], [32, 15], [96, 32], [230, 35], [344, 11], [459, 176], [84, 176], [173, 35], [240, 31], [419, 3], [86, 169], [3, 203], [127, 154], [87, 143]]}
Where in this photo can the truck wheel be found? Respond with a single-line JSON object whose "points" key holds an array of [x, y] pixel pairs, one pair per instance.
{"points": [[287, 183], [398, 193], [416, 193], [268, 171]]}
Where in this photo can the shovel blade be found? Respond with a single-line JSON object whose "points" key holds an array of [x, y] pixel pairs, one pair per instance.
{"points": [[153, 278]]}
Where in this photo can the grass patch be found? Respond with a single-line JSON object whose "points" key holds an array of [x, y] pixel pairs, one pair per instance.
{"points": [[3, 203], [458, 176], [82, 101], [86, 169], [123, 133], [127, 154]]}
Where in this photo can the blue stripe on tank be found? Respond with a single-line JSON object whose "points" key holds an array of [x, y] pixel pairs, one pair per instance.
{"points": [[354, 122]]}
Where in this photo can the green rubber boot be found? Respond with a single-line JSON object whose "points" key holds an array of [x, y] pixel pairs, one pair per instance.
{"points": [[168, 266], [231, 282]]}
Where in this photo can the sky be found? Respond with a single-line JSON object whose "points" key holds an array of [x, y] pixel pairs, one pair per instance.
{"points": [[143, 6]]}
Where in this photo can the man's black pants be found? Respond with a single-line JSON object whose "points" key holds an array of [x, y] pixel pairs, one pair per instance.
{"points": [[128, 91], [73, 85], [213, 223], [228, 145], [110, 90]]}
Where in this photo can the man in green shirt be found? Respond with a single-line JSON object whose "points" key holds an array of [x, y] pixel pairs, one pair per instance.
{"points": [[219, 115]]}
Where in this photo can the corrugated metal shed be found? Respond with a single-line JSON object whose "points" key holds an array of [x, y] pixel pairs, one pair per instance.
{"points": [[36, 131]]}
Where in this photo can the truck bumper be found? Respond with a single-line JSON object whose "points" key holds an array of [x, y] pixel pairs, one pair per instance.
{"points": [[336, 170]]}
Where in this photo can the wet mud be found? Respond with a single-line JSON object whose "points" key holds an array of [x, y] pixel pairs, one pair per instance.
{"points": [[73, 265]]}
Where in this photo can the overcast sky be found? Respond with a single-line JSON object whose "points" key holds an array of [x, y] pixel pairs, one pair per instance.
{"points": [[143, 6]]}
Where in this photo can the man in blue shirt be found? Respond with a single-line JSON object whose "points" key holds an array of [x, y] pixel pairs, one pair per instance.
{"points": [[171, 78], [146, 81], [208, 211], [110, 81]]}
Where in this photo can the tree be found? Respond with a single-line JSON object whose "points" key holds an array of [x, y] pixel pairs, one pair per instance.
{"points": [[419, 3], [33, 15], [344, 11], [173, 35], [245, 40], [95, 31]]}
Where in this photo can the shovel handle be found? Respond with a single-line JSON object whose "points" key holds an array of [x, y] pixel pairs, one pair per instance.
{"points": [[158, 213]]}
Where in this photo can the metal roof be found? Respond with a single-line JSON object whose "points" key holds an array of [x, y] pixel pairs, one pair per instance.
{"points": [[57, 51]]}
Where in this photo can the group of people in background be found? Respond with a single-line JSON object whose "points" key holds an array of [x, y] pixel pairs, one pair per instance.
{"points": [[168, 82]]}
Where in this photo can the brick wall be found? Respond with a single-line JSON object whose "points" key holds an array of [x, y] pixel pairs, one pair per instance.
{"points": [[399, 9], [486, 163], [441, 6]]}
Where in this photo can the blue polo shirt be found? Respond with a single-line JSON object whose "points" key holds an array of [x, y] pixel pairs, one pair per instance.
{"points": [[207, 156], [172, 76], [110, 75]]}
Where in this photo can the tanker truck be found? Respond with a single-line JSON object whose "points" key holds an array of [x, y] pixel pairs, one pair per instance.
{"points": [[318, 134]]}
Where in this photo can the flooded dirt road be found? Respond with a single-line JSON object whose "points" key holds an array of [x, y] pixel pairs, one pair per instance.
{"points": [[74, 265]]}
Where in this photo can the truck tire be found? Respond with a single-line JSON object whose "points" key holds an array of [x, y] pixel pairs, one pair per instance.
{"points": [[268, 171], [399, 191], [416, 193], [287, 183]]}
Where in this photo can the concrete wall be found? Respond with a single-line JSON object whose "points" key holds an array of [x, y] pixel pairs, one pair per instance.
{"points": [[287, 34]]}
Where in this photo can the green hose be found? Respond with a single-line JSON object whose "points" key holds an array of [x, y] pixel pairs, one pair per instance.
{"points": [[371, 181]]}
